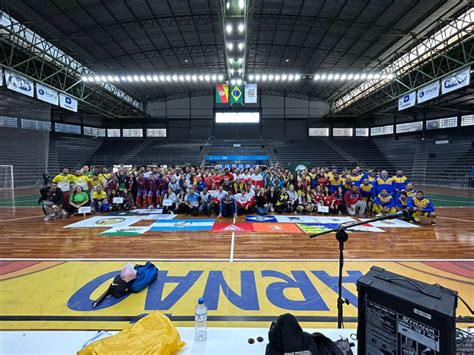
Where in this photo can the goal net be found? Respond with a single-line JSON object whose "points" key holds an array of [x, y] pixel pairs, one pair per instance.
{"points": [[6, 177]]}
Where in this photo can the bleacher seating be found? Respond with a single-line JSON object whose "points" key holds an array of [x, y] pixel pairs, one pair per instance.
{"points": [[70, 152], [400, 153], [314, 151], [169, 152], [112, 150], [365, 152], [27, 151]]}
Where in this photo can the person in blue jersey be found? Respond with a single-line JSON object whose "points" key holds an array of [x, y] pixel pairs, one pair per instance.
{"points": [[384, 203], [410, 189], [423, 207], [403, 201], [192, 201], [384, 182], [400, 182], [367, 191], [335, 182], [356, 177], [228, 207]]}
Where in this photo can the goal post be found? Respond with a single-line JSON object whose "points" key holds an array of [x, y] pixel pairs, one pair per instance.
{"points": [[6, 177]]}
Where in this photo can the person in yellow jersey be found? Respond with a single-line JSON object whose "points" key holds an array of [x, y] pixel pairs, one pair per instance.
{"points": [[99, 200], [410, 190], [422, 207], [79, 179], [399, 183], [384, 203], [96, 181], [356, 177], [64, 180]]}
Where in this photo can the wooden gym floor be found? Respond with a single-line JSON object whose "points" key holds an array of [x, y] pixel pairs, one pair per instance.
{"points": [[77, 264]]}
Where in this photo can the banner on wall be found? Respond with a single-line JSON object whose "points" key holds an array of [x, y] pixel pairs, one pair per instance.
{"points": [[222, 94], [46, 94], [456, 80], [428, 92], [250, 93], [407, 100], [67, 102], [1, 76], [19, 83], [236, 95]]}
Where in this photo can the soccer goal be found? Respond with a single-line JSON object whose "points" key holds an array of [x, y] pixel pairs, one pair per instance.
{"points": [[6, 177]]}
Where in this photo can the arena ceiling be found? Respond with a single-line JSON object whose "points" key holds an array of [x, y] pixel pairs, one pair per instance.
{"points": [[187, 36]]}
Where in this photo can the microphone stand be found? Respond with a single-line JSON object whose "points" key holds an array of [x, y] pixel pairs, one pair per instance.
{"points": [[342, 237]]}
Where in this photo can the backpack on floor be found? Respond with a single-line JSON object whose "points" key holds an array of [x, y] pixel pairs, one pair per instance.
{"points": [[146, 274]]}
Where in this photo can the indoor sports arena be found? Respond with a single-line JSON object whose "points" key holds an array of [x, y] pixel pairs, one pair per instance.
{"points": [[237, 177]]}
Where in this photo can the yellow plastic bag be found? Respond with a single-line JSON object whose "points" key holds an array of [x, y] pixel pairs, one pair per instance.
{"points": [[153, 335]]}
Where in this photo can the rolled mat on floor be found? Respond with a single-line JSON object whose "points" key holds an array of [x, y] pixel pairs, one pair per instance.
{"points": [[153, 334]]}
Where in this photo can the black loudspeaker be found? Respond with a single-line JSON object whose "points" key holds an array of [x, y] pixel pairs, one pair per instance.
{"points": [[403, 316]]}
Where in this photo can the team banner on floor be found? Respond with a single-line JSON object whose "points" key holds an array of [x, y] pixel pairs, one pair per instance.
{"points": [[456, 80], [67, 102], [19, 83], [182, 225], [296, 219], [260, 219], [232, 228], [428, 92], [222, 94], [106, 222], [46, 94], [126, 231], [237, 294], [407, 100], [250, 93], [282, 228], [392, 223], [236, 95]]}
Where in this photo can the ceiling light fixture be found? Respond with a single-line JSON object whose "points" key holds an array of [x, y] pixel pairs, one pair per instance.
{"points": [[220, 77], [241, 46], [228, 28], [257, 77], [230, 46], [251, 77], [241, 28]]}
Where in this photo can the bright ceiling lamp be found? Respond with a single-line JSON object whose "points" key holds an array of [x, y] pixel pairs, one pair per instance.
{"points": [[241, 27], [251, 77], [451, 33], [228, 28], [230, 46], [241, 46]]}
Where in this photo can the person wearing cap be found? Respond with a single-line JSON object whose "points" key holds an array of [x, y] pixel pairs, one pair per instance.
{"points": [[355, 203]]}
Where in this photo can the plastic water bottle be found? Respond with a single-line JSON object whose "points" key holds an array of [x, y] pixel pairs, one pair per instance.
{"points": [[200, 317]]}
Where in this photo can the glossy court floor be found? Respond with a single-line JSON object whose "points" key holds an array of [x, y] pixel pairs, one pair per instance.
{"points": [[50, 275]]}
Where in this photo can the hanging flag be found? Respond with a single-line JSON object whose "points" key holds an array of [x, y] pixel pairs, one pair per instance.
{"points": [[222, 94], [250, 93], [236, 96]]}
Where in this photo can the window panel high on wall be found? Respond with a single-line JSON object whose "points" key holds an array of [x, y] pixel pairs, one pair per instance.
{"points": [[36, 125], [342, 132], [448, 122], [10, 122], [156, 132], [94, 131], [113, 132], [132, 132], [318, 132], [67, 128], [362, 132], [467, 120], [409, 127], [381, 130]]}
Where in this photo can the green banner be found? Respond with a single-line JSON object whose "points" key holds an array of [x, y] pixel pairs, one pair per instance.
{"points": [[295, 167]]}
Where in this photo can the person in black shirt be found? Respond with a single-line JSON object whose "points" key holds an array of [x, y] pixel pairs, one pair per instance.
{"points": [[272, 197], [51, 201], [261, 202]]}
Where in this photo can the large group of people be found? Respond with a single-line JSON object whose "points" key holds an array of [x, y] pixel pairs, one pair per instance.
{"points": [[231, 192]]}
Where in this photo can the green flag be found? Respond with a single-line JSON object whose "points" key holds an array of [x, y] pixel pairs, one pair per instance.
{"points": [[236, 95], [298, 166]]}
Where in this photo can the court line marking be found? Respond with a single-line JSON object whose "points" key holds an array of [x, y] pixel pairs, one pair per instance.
{"points": [[456, 219], [19, 218], [226, 259], [232, 242]]}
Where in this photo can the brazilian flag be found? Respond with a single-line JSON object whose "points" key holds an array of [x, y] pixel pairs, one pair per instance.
{"points": [[236, 95]]}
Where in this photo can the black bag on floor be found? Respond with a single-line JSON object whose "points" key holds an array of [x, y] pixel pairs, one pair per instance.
{"points": [[286, 337]]}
